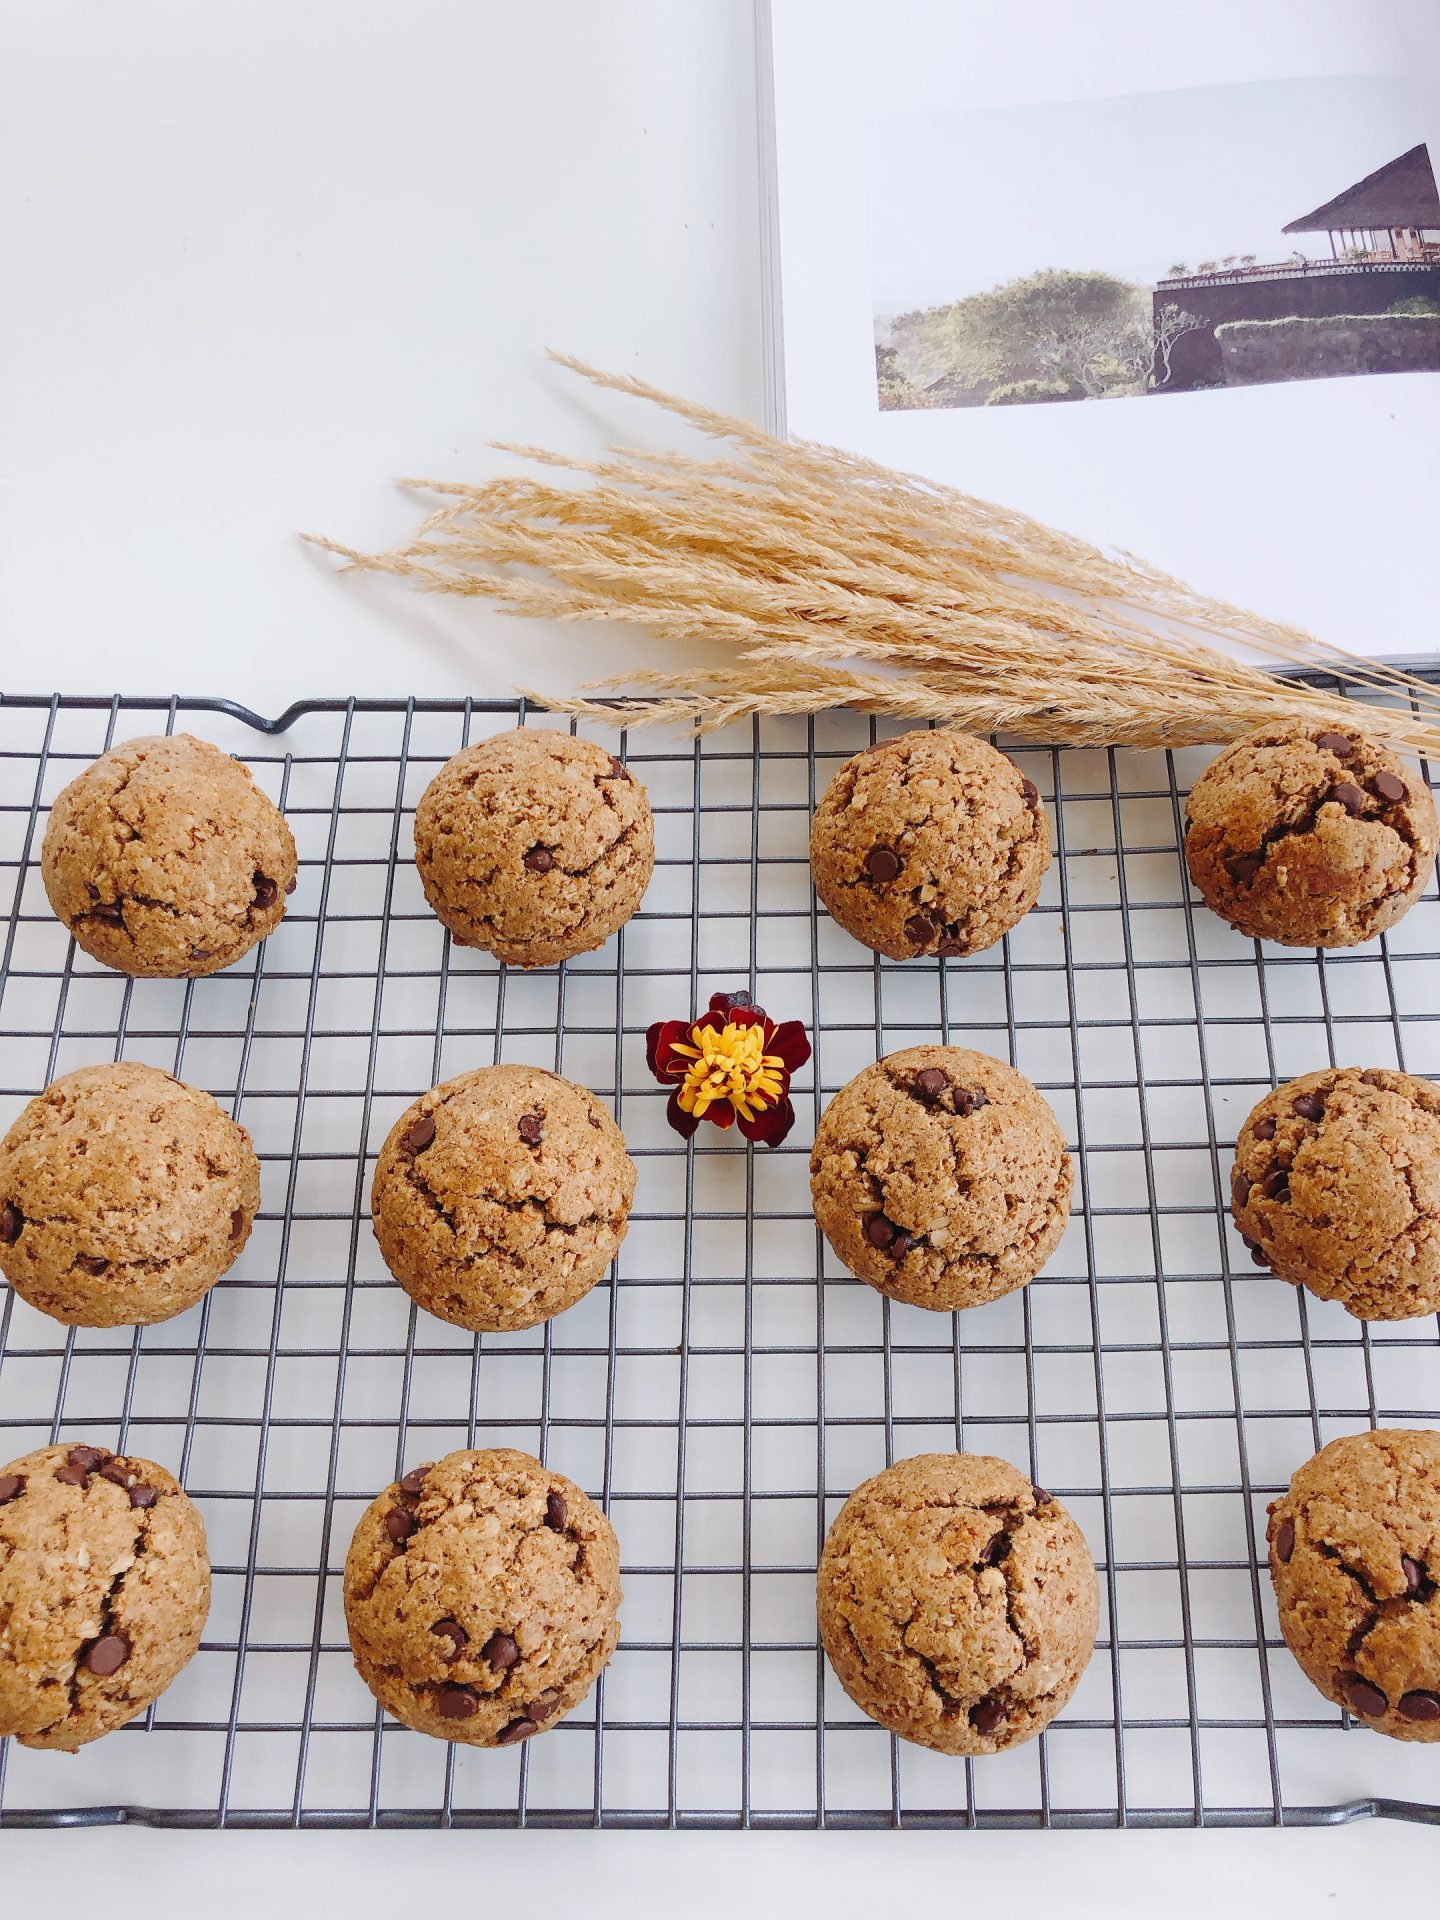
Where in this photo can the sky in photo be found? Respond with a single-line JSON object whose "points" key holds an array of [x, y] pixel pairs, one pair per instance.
{"points": [[960, 202]]}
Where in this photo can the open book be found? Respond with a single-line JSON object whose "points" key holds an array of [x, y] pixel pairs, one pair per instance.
{"points": [[1222, 224]]}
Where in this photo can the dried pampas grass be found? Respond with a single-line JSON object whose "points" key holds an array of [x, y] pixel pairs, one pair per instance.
{"points": [[838, 582]]}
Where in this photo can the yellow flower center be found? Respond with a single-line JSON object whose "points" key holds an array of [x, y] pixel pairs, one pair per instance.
{"points": [[730, 1065]]}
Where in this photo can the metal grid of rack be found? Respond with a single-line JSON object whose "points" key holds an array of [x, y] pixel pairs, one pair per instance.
{"points": [[729, 1384]]}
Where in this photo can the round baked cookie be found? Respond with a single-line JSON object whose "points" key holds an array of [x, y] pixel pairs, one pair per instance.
{"points": [[931, 842], [1355, 1557], [958, 1604], [164, 858], [941, 1177], [124, 1195], [1309, 836], [104, 1589], [482, 1597], [1336, 1187], [501, 1197], [534, 845]]}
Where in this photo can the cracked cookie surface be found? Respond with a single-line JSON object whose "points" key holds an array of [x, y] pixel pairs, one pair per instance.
{"points": [[1309, 836], [941, 1177], [124, 1195], [165, 860], [501, 1197], [930, 842], [958, 1604], [534, 845], [104, 1591], [482, 1597], [1355, 1558], [1336, 1187]]}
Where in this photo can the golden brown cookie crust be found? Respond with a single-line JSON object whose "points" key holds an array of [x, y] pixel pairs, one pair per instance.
{"points": [[1309, 836], [941, 1177], [501, 1197], [534, 845], [165, 860], [958, 1604], [1336, 1185], [482, 1597], [931, 842], [104, 1590], [124, 1195], [1355, 1557]]}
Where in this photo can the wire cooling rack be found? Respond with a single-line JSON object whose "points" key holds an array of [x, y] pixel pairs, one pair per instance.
{"points": [[730, 1384]]}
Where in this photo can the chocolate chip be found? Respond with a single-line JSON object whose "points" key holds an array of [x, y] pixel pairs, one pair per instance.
{"points": [[542, 1707], [539, 860], [969, 1100], [107, 910], [1240, 1187], [1031, 793], [1420, 1705], [952, 943], [1363, 1695], [995, 1548], [116, 1472], [501, 1651], [1265, 1129], [1285, 1541], [986, 1715], [1414, 1573], [882, 864], [199, 953], [901, 1244], [10, 1485], [93, 1263], [143, 1497], [88, 1458], [1391, 788], [421, 1133], [1041, 1497], [556, 1511], [452, 1631], [399, 1524], [618, 770], [1276, 1184], [1373, 1078], [237, 1223], [1243, 867], [931, 1082], [455, 1703], [12, 1222], [1338, 744], [1259, 1257], [531, 1128], [879, 1231], [414, 1480], [1350, 798], [1309, 1106], [517, 1730], [266, 892], [108, 1655], [292, 882], [72, 1476], [919, 929]]}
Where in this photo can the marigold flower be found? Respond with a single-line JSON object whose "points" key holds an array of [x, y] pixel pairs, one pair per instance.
{"points": [[731, 1065]]}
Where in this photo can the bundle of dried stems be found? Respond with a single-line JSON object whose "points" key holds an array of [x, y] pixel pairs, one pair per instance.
{"points": [[839, 582]]}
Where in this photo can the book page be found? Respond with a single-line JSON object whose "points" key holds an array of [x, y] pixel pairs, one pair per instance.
{"points": [[1168, 281]]}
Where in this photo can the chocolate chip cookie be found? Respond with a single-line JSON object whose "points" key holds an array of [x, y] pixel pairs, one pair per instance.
{"points": [[164, 858], [482, 1597], [1310, 837], [958, 1604], [124, 1195], [1336, 1187], [501, 1197], [534, 845], [104, 1589], [1355, 1557], [941, 1177], [929, 843]]}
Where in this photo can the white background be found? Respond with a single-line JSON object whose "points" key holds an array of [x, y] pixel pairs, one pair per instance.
{"points": [[256, 259]]}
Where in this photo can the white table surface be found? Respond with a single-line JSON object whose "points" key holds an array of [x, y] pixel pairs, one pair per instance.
{"points": [[258, 257]]}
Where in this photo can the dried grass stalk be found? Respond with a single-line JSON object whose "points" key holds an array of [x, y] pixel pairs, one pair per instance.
{"points": [[838, 582]]}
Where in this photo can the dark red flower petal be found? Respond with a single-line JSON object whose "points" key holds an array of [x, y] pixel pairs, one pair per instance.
{"points": [[768, 1129], [661, 1038], [724, 1002], [683, 1123], [747, 1016], [791, 1043], [720, 1113], [714, 1020], [652, 1045]]}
